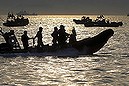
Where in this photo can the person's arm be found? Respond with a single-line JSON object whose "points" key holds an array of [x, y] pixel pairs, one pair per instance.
{"points": [[36, 35], [1, 31]]}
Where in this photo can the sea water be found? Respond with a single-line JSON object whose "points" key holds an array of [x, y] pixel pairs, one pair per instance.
{"points": [[107, 67]]}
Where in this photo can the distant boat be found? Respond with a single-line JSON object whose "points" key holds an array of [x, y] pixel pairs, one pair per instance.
{"points": [[99, 22], [15, 20], [25, 13], [83, 20]]}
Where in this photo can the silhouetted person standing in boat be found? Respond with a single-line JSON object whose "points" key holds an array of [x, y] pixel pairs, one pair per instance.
{"points": [[72, 38], [62, 36], [39, 36], [24, 39], [55, 36]]}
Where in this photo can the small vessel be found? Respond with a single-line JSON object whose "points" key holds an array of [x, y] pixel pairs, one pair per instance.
{"points": [[15, 20], [83, 20], [100, 21], [85, 46]]}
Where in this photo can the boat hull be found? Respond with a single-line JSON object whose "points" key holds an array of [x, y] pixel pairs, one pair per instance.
{"points": [[79, 21], [86, 46], [94, 44], [96, 24], [23, 22]]}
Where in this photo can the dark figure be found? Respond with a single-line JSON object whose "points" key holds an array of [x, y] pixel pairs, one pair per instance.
{"points": [[39, 36], [55, 36], [24, 39], [62, 36], [72, 38], [9, 39], [6, 36]]}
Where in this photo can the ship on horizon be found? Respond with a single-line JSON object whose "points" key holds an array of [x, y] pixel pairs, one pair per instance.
{"points": [[25, 13]]}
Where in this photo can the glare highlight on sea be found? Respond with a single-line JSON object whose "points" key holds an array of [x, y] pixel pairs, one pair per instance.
{"points": [[107, 67]]}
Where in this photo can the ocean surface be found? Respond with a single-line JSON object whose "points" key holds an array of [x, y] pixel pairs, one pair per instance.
{"points": [[107, 67]]}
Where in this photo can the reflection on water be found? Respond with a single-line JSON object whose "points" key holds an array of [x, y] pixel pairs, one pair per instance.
{"points": [[83, 70], [107, 67]]}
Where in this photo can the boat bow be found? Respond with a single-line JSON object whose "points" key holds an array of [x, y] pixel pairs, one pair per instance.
{"points": [[92, 45]]}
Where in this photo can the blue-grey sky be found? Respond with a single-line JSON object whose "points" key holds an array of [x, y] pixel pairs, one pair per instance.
{"points": [[66, 6]]}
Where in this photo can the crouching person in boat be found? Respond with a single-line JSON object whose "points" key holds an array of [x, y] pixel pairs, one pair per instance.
{"points": [[39, 36], [11, 41], [24, 39]]}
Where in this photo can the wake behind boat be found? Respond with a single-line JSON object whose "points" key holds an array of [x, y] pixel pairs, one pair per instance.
{"points": [[14, 21], [83, 47]]}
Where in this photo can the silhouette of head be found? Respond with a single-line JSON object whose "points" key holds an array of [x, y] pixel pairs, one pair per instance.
{"points": [[40, 28], [62, 26], [55, 28], [73, 30], [11, 32], [25, 32]]}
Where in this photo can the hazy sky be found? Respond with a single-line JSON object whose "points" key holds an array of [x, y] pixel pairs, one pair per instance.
{"points": [[66, 6]]}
